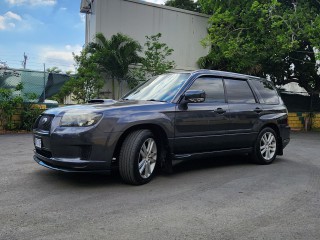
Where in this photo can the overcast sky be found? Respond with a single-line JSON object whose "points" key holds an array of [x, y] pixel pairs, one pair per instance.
{"points": [[48, 31]]}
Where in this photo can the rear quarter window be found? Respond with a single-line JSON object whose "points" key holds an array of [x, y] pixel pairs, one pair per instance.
{"points": [[267, 92]]}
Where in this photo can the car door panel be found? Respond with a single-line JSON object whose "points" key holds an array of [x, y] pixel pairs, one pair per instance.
{"points": [[244, 114], [243, 121], [200, 128]]}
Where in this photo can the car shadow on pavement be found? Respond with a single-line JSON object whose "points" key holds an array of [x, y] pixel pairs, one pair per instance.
{"points": [[90, 180], [181, 167], [79, 179]]}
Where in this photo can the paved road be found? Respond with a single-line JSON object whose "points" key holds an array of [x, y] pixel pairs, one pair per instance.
{"points": [[227, 198]]}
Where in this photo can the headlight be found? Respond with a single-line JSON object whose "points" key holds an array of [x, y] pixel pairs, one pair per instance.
{"points": [[79, 119]]}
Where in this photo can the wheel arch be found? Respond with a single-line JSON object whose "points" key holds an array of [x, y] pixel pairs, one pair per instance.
{"points": [[275, 127], [159, 133]]}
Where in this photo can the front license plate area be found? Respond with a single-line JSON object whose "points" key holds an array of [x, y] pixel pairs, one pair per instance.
{"points": [[38, 143]]}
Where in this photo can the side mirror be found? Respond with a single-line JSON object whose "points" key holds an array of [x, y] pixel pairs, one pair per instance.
{"points": [[194, 96]]}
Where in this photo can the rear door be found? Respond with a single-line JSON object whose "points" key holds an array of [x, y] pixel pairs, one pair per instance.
{"points": [[202, 126], [244, 114]]}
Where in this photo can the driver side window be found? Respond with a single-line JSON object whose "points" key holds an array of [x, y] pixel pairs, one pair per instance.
{"points": [[212, 86]]}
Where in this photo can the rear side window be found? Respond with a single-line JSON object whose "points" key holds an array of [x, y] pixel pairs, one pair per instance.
{"points": [[212, 86], [267, 92], [239, 91]]}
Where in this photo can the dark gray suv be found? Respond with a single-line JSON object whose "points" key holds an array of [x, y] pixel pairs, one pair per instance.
{"points": [[173, 116]]}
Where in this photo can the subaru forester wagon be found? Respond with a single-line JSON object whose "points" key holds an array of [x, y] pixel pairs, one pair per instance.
{"points": [[171, 117]]}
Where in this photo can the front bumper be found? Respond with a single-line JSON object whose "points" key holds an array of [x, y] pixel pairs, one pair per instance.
{"points": [[71, 165], [75, 149]]}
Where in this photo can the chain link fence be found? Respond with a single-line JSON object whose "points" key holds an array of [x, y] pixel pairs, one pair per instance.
{"points": [[41, 84], [301, 101], [44, 85]]}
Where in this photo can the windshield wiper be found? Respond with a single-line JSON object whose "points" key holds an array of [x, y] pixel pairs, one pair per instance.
{"points": [[155, 100]]}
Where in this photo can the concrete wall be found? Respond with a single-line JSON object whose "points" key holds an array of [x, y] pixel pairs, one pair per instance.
{"points": [[182, 30], [302, 121]]}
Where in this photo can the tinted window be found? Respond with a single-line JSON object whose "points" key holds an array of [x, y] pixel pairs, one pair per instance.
{"points": [[213, 88], [239, 91], [266, 91]]}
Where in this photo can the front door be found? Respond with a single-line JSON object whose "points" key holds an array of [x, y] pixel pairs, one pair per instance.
{"points": [[202, 126]]}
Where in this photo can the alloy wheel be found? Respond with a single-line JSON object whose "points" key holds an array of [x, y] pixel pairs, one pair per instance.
{"points": [[147, 158], [268, 146]]}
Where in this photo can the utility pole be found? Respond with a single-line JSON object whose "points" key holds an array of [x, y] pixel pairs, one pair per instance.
{"points": [[24, 62]]}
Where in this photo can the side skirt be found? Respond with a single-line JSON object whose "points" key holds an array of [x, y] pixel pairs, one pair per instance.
{"points": [[208, 154]]}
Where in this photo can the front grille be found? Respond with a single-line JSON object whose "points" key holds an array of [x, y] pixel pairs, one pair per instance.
{"points": [[44, 122]]}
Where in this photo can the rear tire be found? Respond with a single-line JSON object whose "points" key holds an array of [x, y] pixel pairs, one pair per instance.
{"points": [[266, 147], [138, 157]]}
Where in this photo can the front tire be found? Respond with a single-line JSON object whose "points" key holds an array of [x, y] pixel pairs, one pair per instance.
{"points": [[138, 157], [266, 147]]}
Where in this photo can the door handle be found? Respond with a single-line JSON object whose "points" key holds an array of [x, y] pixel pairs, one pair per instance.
{"points": [[220, 111], [258, 110]]}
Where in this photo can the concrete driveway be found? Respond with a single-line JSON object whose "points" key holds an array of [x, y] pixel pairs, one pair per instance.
{"points": [[220, 198]]}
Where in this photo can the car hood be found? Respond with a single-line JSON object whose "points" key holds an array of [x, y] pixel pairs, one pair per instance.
{"points": [[104, 107]]}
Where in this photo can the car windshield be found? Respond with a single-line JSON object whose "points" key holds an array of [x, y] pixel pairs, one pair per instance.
{"points": [[162, 88]]}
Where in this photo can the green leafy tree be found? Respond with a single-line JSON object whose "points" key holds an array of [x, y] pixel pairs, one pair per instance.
{"points": [[184, 4], [86, 83], [102, 59], [114, 56], [275, 38], [154, 61]]}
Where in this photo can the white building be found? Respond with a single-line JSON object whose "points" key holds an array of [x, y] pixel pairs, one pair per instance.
{"points": [[181, 30]]}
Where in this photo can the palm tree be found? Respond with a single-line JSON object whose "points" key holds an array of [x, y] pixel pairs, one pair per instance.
{"points": [[114, 56]]}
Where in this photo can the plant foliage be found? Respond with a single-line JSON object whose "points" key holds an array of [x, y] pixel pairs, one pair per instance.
{"points": [[184, 4], [114, 56], [14, 102], [86, 83], [154, 61], [275, 38], [9, 102], [29, 112]]}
